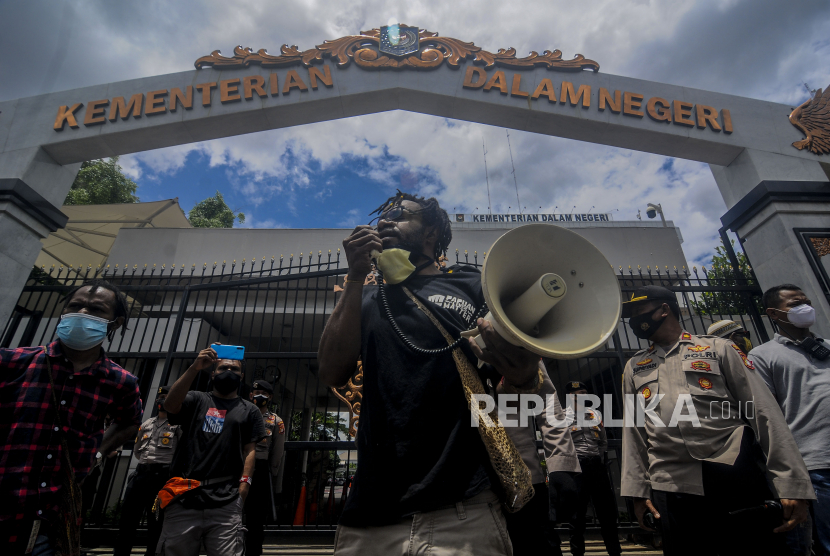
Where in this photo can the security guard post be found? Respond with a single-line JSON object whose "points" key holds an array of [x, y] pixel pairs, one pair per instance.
{"points": [[260, 504], [155, 445], [705, 439], [591, 445]]}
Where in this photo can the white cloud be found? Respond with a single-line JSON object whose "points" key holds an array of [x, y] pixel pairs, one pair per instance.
{"points": [[757, 48]]}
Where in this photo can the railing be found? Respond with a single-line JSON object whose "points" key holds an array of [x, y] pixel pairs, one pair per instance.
{"points": [[277, 308]]}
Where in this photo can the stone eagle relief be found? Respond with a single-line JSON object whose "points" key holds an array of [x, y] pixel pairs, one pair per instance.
{"points": [[813, 119], [365, 50]]}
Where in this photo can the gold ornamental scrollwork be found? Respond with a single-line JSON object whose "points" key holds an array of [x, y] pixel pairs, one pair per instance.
{"points": [[364, 50], [352, 395], [812, 118]]}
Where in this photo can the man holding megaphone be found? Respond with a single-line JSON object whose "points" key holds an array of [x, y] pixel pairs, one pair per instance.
{"points": [[424, 480]]}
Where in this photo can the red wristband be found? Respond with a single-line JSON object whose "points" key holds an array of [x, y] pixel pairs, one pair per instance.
{"points": [[246, 479]]}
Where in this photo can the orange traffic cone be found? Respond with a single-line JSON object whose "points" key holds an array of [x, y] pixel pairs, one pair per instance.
{"points": [[299, 517]]}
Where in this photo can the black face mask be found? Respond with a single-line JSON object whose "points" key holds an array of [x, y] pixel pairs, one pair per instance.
{"points": [[643, 326], [260, 400], [226, 382]]}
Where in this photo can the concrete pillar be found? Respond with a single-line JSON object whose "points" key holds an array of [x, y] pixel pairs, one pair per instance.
{"points": [[32, 189], [770, 197]]}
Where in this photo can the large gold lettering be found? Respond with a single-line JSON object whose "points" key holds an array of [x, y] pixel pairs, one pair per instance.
{"points": [[480, 75], [659, 109], [206, 89], [545, 87], [632, 102], [515, 90], [325, 77], [615, 104], [292, 81], [682, 113], [66, 115], [707, 115], [177, 96], [498, 80], [95, 112], [121, 110], [229, 90], [568, 93], [727, 120], [155, 102]]}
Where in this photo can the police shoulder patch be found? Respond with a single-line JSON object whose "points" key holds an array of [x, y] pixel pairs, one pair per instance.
{"points": [[686, 336], [281, 427]]}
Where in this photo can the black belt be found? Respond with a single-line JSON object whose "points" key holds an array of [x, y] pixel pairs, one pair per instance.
{"points": [[153, 467]]}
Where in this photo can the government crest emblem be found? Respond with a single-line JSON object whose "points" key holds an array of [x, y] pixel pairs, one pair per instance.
{"points": [[398, 40]]}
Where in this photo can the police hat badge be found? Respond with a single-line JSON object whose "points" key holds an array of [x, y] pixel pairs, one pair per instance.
{"points": [[398, 40]]}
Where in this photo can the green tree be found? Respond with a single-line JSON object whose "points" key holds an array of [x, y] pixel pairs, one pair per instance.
{"points": [[101, 182], [328, 426], [720, 274], [213, 212]]}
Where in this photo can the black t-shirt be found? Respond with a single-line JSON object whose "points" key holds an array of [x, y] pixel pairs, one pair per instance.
{"points": [[214, 432], [416, 448]]}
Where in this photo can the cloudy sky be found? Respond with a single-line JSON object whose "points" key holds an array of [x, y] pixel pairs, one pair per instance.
{"points": [[332, 174]]}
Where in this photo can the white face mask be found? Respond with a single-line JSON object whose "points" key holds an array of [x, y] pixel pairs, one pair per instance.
{"points": [[802, 316]]}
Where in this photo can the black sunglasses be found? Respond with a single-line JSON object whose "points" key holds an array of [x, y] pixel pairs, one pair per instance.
{"points": [[394, 214]]}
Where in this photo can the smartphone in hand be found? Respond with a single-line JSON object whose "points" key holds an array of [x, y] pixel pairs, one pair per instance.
{"points": [[229, 352]]}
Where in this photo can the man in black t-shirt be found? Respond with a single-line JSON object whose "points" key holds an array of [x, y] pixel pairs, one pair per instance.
{"points": [[220, 432], [423, 480]]}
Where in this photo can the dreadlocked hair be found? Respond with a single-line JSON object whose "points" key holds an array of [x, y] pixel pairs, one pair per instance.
{"points": [[432, 215], [121, 307]]}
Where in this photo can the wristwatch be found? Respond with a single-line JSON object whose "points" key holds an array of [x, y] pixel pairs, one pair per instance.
{"points": [[246, 479]]}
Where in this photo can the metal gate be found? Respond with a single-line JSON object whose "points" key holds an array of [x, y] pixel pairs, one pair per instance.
{"points": [[277, 309]]}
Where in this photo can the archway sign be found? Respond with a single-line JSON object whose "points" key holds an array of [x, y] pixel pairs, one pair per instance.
{"points": [[766, 157]]}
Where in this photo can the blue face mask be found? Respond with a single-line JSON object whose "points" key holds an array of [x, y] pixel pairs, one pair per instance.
{"points": [[80, 331]]}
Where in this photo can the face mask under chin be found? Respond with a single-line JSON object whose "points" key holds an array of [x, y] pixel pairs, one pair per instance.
{"points": [[396, 264]]}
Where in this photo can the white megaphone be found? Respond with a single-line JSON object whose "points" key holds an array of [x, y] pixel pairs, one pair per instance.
{"points": [[550, 291]]}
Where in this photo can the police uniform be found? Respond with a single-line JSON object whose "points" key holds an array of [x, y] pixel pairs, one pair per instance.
{"points": [[529, 528], [259, 506], [155, 445], [593, 483], [738, 454]]}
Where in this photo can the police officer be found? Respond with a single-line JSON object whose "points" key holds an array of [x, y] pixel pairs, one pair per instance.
{"points": [[704, 439], [259, 506], [591, 444], [731, 330], [530, 529], [155, 445]]}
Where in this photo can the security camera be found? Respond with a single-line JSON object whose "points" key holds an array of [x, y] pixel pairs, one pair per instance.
{"points": [[651, 211]]}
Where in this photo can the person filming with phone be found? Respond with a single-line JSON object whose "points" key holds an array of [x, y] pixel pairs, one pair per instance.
{"points": [[212, 469]]}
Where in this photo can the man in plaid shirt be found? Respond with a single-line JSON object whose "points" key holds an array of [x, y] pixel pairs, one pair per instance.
{"points": [[88, 386]]}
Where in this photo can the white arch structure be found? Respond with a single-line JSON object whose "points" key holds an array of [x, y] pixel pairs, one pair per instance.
{"points": [[770, 187]]}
